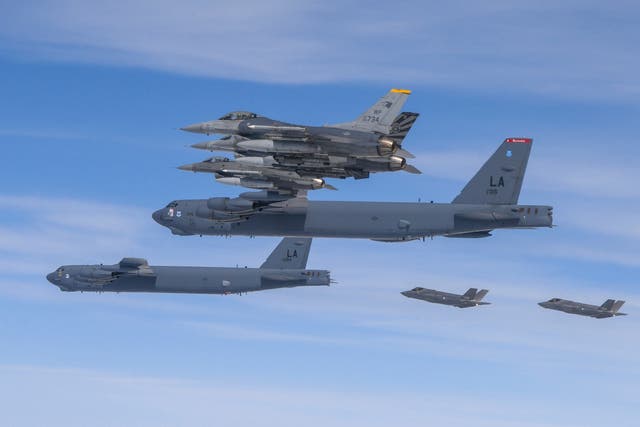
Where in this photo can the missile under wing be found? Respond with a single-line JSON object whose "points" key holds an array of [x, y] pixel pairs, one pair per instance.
{"points": [[471, 298], [285, 268], [608, 309]]}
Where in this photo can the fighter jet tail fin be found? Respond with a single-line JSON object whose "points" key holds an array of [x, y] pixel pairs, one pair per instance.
{"points": [[481, 294], [470, 294], [499, 180], [617, 306], [291, 253], [381, 115], [608, 305], [401, 126]]}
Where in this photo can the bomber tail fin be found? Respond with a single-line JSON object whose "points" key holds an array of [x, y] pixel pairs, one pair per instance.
{"points": [[381, 115], [291, 253], [470, 294], [499, 180]]}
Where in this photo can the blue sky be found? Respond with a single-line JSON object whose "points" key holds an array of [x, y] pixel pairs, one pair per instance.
{"points": [[92, 99]]}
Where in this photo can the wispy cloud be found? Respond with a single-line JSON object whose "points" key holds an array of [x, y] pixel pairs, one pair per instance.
{"points": [[546, 47], [150, 401]]}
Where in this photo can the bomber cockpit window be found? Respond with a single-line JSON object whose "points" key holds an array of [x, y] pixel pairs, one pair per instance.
{"points": [[239, 115], [172, 204]]}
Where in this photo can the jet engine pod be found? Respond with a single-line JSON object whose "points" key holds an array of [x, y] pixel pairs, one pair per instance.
{"points": [[227, 204], [217, 203], [94, 274], [386, 146], [397, 163], [204, 212]]}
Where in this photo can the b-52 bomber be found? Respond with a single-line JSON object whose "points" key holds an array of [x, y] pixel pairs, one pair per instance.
{"points": [[608, 309], [471, 298], [371, 143], [284, 268], [488, 202]]}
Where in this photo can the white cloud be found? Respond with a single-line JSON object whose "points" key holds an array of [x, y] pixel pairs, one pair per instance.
{"points": [[544, 47]]}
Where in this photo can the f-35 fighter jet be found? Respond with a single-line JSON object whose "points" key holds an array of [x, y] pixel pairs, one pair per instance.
{"points": [[471, 298], [285, 268], [608, 309]]}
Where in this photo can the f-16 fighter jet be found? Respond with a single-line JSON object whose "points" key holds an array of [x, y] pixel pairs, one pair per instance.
{"points": [[252, 172], [488, 202], [377, 132], [285, 268], [608, 309], [265, 173], [471, 298]]}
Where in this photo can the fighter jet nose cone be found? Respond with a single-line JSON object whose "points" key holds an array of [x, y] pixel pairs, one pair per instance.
{"points": [[184, 168], [197, 128], [51, 278]]}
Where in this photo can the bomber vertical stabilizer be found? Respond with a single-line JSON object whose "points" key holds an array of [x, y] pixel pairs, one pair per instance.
{"points": [[499, 180], [291, 254]]}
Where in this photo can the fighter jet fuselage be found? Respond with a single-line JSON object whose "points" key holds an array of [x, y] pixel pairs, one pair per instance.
{"points": [[265, 135], [385, 221], [608, 309], [471, 298]]}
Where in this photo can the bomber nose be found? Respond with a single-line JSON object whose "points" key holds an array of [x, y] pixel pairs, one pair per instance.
{"points": [[157, 216]]}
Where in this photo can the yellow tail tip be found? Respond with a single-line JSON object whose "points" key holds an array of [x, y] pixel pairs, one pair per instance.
{"points": [[405, 91]]}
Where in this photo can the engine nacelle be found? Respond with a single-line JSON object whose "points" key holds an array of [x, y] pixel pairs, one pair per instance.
{"points": [[94, 275], [386, 146], [230, 205]]}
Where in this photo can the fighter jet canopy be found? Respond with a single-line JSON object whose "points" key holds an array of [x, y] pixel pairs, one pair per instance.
{"points": [[239, 115]]}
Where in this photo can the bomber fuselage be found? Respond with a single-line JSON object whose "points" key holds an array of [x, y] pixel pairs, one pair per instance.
{"points": [[386, 221], [198, 280]]}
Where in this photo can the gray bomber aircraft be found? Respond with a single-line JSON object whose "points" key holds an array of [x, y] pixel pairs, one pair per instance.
{"points": [[471, 298], [488, 202], [284, 268], [371, 134], [608, 309]]}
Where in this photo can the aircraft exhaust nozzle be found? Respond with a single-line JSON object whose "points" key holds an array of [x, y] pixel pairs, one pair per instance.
{"points": [[397, 163], [386, 146]]}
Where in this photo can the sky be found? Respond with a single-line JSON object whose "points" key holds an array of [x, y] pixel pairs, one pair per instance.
{"points": [[93, 95]]}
